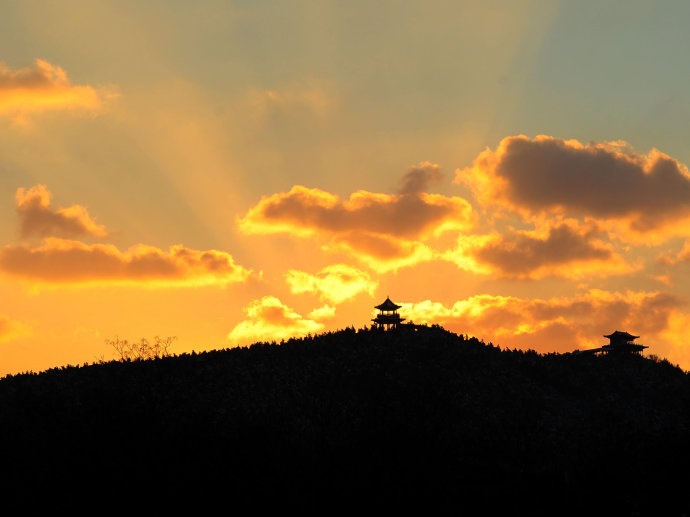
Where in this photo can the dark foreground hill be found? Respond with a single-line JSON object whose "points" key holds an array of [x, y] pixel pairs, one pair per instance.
{"points": [[416, 419]]}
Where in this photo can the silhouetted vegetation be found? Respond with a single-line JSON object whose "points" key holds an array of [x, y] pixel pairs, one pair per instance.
{"points": [[415, 418], [127, 350]]}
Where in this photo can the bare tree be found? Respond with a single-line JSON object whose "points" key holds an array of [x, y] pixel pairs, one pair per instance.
{"points": [[144, 349]]}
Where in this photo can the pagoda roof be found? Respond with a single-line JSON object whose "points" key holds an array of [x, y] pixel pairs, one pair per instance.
{"points": [[387, 305], [620, 334]]}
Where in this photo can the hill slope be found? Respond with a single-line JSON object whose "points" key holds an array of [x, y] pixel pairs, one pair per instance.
{"points": [[418, 418]]}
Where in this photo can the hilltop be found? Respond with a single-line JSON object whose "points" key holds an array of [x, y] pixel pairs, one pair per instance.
{"points": [[411, 418]]}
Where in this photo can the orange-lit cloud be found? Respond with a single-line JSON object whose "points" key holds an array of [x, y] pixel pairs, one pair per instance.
{"points": [[383, 253], [550, 325], [371, 226], [671, 258], [11, 329], [310, 211], [61, 261], [647, 195], [565, 250], [676, 347], [324, 313], [268, 319], [37, 218], [42, 88], [335, 283]]}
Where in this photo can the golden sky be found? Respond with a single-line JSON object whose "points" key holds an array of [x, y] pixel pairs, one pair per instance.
{"points": [[234, 172]]}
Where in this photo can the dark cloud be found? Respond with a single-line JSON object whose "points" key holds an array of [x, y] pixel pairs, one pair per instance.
{"points": [[419, 178], [605, 180], [375, 245], [521, 254], [44, 75]]}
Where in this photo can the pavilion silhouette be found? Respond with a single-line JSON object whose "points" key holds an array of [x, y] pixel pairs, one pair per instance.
{"points": [[388, 316], [620, 343]]}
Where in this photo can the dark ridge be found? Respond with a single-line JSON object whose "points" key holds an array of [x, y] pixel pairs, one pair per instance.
{"points": [[410, 419]]}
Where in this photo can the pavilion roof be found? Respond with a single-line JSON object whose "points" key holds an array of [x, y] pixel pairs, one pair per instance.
{"points": [[387, 305], [620, 334]]}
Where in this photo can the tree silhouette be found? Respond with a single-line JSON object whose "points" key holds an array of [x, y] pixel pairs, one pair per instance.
{"points": [[143, 349]]}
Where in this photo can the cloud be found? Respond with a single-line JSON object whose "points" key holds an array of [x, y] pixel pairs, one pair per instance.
{"points": [[61, 261], [671, 258], [38, 219], [383, 253], [559, 324], [268, 319], [565, 250], [674, 347], [45, 87], [419, 178], [309, 211], [324, 313], [11, 329], [335, 283], [370, 226], [645, 194]]}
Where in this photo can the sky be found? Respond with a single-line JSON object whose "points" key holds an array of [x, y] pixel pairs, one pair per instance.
{"points": [[232, 172]]}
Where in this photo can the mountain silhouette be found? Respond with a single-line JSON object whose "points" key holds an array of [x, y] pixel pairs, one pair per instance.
{"points": [[414, 418]]}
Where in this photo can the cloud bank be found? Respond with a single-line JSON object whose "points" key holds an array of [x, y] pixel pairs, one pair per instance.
{"points": [[559, 323], [385, 231], [57, 260], [61, 261]]}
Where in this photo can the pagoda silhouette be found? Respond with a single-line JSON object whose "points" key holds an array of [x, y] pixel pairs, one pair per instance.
{"points": [[620, 343], [388, 316]]}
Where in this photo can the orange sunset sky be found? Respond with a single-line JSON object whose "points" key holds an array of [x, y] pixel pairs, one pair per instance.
{"points": [[229, 172]]}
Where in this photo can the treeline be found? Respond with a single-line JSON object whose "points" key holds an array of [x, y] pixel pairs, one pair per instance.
{"points": [[416, 418]]}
